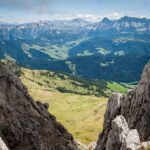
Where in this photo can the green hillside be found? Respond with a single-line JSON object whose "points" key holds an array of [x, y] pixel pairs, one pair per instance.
{"points": [[77, 103], [76, 107], [119, 58], [65, 83]]}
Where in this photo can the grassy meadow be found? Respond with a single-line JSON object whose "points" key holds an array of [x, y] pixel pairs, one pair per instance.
{"points": [[78, 104], [81, 114]]}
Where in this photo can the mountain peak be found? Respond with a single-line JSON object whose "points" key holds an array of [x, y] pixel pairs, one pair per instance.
{"points": [[128, 18], [106, 20]]}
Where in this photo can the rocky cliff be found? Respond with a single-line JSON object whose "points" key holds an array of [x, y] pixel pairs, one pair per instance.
{"points": [[127, 118], [26, 124]]}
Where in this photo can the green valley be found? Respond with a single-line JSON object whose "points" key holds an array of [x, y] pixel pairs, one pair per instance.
{"points": [[74, 101]]}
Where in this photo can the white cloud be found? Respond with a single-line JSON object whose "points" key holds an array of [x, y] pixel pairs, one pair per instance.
{"points": [[69, 16], [115, 15], [53, 16], [89, 17], [2, 20]]}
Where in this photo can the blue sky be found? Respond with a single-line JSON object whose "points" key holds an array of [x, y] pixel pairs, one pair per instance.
{"points": [[33, 10]]}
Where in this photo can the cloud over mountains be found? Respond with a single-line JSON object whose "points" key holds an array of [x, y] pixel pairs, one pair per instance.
{"points": [[33, 10]]}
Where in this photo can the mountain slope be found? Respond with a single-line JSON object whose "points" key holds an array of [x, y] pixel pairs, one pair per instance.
{"points": [[69, 96], [123, 56], [26, 124], [107, 55], [65, 83], [72, 96], [117, 49], [72, 100]]}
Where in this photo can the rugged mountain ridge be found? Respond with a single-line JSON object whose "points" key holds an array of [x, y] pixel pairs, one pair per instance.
{"points": [[26, 124], [44, 30], [124, 24], [127, 119], [47, 29], [111, 46]]}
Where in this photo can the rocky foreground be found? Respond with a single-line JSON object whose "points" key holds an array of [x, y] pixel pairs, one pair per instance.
{"points": [[127, 119], [26, 124]]}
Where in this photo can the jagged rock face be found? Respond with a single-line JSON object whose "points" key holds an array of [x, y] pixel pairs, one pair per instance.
{"points": [[113, 109], [120, 137], [134, 107], [26, 124], [117, 134]]}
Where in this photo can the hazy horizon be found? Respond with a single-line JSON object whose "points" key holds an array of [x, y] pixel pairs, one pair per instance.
{"points": [[35, 10]]}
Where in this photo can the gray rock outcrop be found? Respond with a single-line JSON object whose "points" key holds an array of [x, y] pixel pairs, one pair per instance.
{"points": [[26, 124], [135, 108], [120, 137], [132, 141], [117, 134]]}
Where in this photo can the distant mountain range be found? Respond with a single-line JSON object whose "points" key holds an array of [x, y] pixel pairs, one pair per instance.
{"points": [[110, 49], [123, 25], [45, 29]]}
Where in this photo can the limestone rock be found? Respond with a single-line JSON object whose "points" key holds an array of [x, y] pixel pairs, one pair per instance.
{"points": [[26, 124], [117, 134], [120, 137], [134, 107], [132, 141], [113, 109]]}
